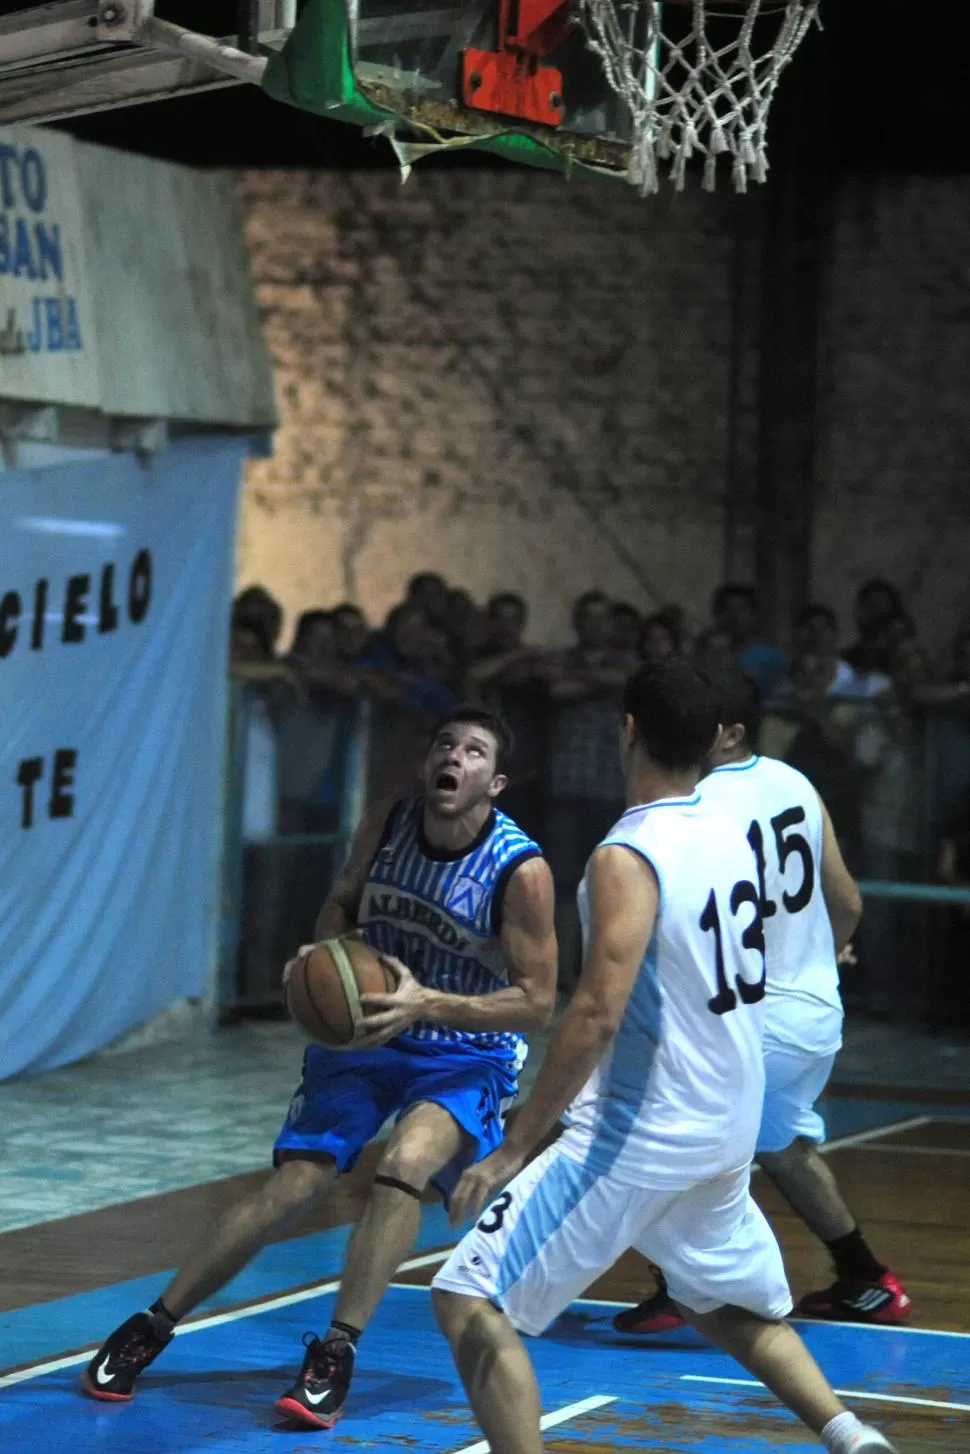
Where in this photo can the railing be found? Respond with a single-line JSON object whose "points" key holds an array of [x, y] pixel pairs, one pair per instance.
{"points": [[296, 786], [893, 779]]}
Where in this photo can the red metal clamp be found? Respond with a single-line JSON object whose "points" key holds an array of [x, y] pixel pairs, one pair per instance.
{"points": [[511, 80]]}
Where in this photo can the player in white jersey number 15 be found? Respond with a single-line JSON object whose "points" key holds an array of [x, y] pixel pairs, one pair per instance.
{"points": [[657, 1066], [810, 907]]}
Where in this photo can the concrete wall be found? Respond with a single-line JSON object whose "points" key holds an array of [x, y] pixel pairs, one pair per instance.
{"points": [[515, 381], [894, 417]]}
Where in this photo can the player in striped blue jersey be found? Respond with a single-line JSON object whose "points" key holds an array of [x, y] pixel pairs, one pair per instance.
{"points": [[460, 902]]}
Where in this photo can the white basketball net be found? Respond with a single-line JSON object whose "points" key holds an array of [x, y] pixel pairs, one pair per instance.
{"points": [[707, 91]]}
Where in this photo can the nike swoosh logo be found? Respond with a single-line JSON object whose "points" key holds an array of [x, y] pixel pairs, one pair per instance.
{"points": [[101, 1373], [315, 1398]]}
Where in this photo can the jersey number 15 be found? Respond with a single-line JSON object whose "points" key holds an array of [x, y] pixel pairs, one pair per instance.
{"points": [[787, 845]]}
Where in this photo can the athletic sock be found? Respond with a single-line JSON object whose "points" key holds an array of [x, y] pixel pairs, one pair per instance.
{"points": [[162, 1318], [839, 1433], [853, 1257], [343, 1333]]}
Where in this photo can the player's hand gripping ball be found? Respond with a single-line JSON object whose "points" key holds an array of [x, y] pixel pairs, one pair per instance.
{"points": [[324, 987], [387, 1015]]}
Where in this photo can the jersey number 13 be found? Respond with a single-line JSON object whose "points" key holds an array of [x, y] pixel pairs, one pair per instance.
{"points": [[752, 937]]}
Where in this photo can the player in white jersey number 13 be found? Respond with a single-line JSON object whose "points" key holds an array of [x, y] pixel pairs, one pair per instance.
{"points": [[810, 907], [657, 1065]]}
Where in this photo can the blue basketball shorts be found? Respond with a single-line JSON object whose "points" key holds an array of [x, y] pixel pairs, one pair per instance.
{"points": [[345, 1097]]}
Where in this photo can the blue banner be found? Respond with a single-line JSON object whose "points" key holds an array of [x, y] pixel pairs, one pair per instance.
{"points": [[115, 590]]}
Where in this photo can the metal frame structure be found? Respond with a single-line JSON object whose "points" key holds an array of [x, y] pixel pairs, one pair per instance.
{"points": [[80, 56]]}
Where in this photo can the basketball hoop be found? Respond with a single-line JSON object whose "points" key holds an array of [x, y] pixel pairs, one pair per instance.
{"points": [[698, 79]]}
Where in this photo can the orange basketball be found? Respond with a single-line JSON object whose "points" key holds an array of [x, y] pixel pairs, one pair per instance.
{"points": [[324, 989]]}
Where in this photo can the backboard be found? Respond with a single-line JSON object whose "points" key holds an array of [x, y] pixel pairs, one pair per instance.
{"points": [[636, 89], [442, 64]]}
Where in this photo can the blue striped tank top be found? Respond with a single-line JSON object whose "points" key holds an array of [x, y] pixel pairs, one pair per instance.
{"points": [[441, 914]]}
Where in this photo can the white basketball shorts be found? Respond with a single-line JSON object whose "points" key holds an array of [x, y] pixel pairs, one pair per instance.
{"points": [[557, 1227], [794, 1080]]}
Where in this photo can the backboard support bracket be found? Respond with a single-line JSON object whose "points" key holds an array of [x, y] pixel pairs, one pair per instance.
{"points": [[84, 56], [512, 81]]}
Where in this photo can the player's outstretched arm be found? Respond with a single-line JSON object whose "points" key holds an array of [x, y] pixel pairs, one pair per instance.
{"points": [[624, 897], [528, 939], [839, 889], [340, 911]]}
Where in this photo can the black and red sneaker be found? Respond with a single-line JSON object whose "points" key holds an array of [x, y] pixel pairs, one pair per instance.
{"points": [[849, 1300], [657, 1314], [112, 1372], [317, 1397]]}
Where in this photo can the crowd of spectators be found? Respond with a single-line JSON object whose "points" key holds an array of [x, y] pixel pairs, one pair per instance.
{"points": [[852, 717]]}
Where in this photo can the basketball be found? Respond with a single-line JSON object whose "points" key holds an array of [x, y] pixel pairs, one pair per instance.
{"points": [[324, 989]]}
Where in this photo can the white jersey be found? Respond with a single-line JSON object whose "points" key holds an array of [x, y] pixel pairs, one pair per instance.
{"points": [[678, 1097], [779, 811]]}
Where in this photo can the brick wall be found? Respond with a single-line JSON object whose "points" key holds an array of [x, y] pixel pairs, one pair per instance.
{"points": [[524, 384], [518, 382]]}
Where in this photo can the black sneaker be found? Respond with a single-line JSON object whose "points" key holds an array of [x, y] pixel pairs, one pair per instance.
{"points": [[850, 1300], [656, 1314], [317, 1397], [112, 1372]]}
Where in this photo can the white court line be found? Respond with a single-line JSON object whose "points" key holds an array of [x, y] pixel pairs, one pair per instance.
{"points": [[251, 1310], [875, 1134], [881, 1398], [549, 1421], [918, 1150]]}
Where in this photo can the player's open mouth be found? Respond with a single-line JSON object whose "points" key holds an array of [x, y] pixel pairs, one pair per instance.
{"points": [[446, 782]]}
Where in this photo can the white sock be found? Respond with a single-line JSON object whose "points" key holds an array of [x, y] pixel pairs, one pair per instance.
{"points": [[838, 1434]]}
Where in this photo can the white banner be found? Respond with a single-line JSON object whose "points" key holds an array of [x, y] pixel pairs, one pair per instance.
{"points": [[115, 591], [48, 349]]}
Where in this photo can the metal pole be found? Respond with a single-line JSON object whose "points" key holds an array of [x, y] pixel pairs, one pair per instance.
{"points": [[204, 48]]}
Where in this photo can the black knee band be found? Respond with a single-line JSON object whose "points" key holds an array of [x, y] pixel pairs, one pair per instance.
{"points": [[412, 1191]]}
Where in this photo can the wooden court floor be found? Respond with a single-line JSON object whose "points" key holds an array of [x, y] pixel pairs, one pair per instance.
{"points": [[908, 1183]]}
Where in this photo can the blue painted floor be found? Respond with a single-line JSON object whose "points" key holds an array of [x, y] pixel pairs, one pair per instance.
{"points": [[213, 1390]]}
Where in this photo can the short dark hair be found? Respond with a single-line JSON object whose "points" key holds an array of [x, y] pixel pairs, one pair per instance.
{"points": [[675, 712], [347, 608], [729, 589], [878, 584], [815, 609], [739, 697], [305, 624], [424, 578], [587, 599], [507, 598], [257, 611], [624, 608], [465, 714], [397, 614]]}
